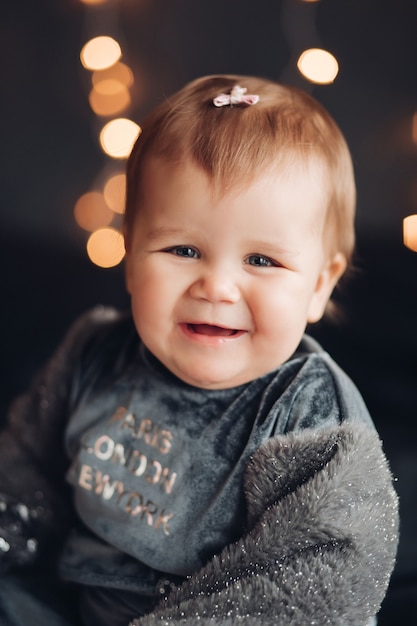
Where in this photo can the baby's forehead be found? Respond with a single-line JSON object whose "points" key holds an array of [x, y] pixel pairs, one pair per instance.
{"points": [[183, 177], [291, 163], [185, 181], [310, 173]]}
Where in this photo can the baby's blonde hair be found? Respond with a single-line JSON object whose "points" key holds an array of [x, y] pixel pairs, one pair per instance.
{"points": [[235, 144]]}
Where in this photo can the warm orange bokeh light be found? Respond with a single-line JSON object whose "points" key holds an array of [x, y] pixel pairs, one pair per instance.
{"points": [[109, 97], [94, 1], [91, 211], [114, 192], [100, 53], [110, 87], [119, 71], [410, 232], [318, 66], [414, 128], [105, 247], [118, 136]]}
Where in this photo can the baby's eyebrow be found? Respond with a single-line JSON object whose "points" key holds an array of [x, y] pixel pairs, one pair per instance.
{"points": [[165, 232]]}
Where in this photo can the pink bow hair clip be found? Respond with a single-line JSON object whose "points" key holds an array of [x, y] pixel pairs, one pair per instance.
{"points": [[237, 96]]}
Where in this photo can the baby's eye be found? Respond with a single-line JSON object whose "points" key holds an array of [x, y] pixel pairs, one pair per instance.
{"points": [[184, 251], [257, 260]]}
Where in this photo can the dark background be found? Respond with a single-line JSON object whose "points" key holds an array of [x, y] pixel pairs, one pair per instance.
{"points": [[50, 156]]}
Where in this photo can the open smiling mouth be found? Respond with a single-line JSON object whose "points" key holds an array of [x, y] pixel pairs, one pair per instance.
{"points": [[213, 331]]}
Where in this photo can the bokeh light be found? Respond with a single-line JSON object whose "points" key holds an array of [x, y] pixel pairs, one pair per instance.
{"points": [[94, 2], [92, 212], [100, 52], [318, 66], [105, 247], [414, 128], [410, 232], [119, 71], [114, 192], [109, 97], [118, 136]]}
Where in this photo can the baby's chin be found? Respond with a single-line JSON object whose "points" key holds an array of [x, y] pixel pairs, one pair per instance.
{"points": [[216, 377]]}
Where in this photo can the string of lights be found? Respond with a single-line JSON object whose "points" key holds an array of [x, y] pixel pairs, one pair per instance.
{"points": [[100, 210]]}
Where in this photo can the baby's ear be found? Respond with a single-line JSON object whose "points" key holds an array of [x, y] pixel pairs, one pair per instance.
{"points": [[326, 282]]}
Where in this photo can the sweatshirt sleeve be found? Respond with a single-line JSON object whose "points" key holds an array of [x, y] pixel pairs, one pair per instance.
{"points": [[34, 506], [321, 541]]}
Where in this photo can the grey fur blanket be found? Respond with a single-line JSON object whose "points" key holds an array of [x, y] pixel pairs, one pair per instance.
{"points": [[320, 545]]}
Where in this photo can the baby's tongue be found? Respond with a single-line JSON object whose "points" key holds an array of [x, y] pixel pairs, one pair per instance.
{"points": [[207, 329]]}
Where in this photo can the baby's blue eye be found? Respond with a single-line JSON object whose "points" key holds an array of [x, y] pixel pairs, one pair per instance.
{"points": [[258, 260], [184, 251]]}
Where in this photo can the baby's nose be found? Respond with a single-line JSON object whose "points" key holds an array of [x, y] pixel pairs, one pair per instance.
{"points": [[215, 286]]}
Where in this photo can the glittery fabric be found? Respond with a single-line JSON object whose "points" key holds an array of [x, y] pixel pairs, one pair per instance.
{"points": [[17, 531], [322, 543]]}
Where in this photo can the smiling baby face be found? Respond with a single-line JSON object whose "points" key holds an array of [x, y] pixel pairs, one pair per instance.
{"points": [[223, 285]]}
